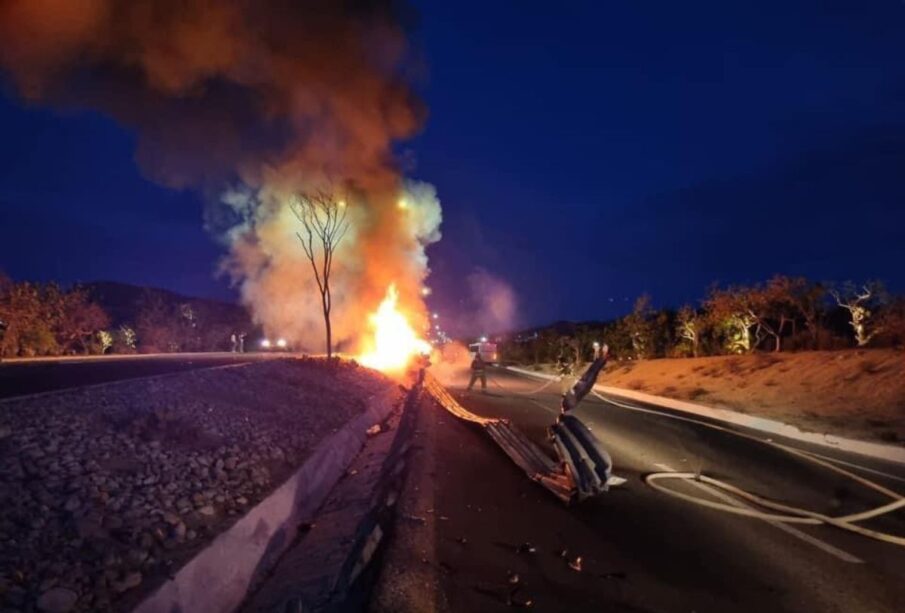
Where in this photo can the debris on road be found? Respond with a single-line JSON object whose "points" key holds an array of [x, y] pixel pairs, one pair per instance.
{"points": [[415, 518], [373, 430], [576, 564], [526, 548]]}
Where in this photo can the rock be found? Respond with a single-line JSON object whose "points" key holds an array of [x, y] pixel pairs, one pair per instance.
{"points": [[129, 581], [57, 600], [146, 540], [48, 583], [178, 531], [89, 528], [171, 518], [230, 463], [207, 510], [242, 501], [137, 556], [73, 504]]}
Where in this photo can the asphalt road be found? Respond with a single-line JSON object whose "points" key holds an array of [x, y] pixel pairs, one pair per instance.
{"points": [[679, 556], [21, 377]]}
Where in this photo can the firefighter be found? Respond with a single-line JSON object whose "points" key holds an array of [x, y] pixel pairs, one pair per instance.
{"points": [[478, 370]]}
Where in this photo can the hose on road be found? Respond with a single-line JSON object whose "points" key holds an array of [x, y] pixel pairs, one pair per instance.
{"points": [[781, 512], [787, 513], [547, 384]]}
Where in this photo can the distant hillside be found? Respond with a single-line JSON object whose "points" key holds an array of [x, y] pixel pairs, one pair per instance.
{"points": [[167, 321], [123, 302]]}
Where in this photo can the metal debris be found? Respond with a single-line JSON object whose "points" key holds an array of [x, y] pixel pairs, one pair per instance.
{"points": [[377, 429], [513, 601], [576, 564], [415, 518], [526, 548]]}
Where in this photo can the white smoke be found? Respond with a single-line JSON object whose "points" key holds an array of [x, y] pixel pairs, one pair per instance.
{"points": [[276, 280]]}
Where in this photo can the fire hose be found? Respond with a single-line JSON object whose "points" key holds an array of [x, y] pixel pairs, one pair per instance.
{"points": [[586, 467], [786, 513], [528, 393]]}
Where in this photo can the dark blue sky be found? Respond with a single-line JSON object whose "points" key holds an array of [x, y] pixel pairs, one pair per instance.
{"points": [[595, 152]]}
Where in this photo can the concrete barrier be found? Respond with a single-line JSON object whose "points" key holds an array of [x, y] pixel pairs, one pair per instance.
{"points": [[217, 579]]}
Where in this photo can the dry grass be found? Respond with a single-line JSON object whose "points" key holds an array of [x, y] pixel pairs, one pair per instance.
{"points": [[859, 393]]}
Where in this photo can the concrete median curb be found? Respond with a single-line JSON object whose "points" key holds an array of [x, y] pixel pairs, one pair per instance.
{"points": [[218, 578], [889, 453]]}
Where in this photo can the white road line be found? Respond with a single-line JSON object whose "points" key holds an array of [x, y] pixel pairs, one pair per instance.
{"points": [[731, 431], [807, 538], [853, 465], [79, 388]]}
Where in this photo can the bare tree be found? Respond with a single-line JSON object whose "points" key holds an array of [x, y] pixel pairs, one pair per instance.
{"points": [[859, 302], [638, 324], [323, 218], [687, 328]]}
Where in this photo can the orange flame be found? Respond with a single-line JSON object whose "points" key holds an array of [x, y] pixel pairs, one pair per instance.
{"points": [[394, 343]]}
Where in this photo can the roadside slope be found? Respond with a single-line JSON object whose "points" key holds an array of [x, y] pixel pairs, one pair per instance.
{"points": [[853, 393]]}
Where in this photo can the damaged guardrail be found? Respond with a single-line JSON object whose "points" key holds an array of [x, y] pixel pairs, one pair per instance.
{"points": [[583, 466]]}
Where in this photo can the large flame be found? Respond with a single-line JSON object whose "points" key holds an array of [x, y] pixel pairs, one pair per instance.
{"points": [[394, 343]]}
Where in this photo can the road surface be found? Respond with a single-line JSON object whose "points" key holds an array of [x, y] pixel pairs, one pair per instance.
{"points": [[643, 550], [21, 377]]}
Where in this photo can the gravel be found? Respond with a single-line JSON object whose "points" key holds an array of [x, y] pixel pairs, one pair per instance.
{"points": [[104, 492]]}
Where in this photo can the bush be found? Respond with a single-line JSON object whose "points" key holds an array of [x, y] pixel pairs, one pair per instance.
{"points": [[38, 340]]}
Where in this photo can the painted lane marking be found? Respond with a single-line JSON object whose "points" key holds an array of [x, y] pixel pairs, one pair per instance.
{"points": [[744, 435], [807, 538]]}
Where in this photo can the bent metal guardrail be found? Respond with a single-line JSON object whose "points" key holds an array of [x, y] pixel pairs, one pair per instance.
{"points": [[558, 477]]}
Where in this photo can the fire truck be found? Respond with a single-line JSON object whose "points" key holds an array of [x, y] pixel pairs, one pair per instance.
{"points": [[487, 350]]}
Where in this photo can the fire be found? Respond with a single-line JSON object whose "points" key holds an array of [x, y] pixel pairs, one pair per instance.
{"points": [[394, 343]]}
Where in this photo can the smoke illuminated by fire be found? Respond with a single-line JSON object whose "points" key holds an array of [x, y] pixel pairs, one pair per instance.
{"points": [[251, 102], [394, 342]]}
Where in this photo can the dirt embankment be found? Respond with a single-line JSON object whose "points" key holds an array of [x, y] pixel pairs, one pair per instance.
{"points": [[856, 393]]}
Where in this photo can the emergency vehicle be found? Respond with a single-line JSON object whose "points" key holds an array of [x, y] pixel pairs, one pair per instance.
{"points": [[487, 351]]}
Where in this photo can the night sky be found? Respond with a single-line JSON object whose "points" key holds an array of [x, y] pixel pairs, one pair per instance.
{"points": [[584, 157]]}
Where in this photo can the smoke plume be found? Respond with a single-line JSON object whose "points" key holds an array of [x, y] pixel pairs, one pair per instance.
{"points": [[251, 102], [494, 301]]}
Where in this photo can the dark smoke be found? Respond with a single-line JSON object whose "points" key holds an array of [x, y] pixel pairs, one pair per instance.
{"points": [[250, 101]]}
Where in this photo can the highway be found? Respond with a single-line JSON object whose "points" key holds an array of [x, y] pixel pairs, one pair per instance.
{"points": [[33, 376], [685, 557], [642, 550]]}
